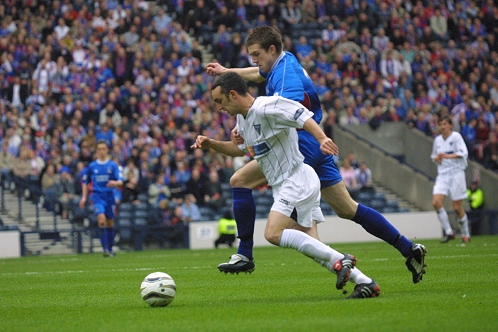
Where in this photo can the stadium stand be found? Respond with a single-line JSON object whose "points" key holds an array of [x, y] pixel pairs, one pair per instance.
{"points": [[131, 72]]}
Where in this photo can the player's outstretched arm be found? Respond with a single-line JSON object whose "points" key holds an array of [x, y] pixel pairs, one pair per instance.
{"points": [[226, 147], [250, 74], [327, 146]]}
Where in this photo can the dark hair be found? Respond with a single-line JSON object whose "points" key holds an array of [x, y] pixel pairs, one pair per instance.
{"points": [[265, 36], [445, 118], [230, 81]]}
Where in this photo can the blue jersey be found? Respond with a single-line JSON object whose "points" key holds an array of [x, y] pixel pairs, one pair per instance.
{"points": [[289, 79], [100, 173]]}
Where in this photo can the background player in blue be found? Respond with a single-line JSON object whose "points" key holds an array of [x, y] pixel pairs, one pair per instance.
{"points": [[104, 175], [287, 78]]}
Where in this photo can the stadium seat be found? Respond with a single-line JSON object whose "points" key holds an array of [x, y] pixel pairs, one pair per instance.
{"points": [[143, 214], [125, 207], [143, 198], [142, 206], [125, 214]]}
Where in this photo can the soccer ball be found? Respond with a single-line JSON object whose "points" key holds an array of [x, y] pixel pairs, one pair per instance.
{"points": [[158, 289]]}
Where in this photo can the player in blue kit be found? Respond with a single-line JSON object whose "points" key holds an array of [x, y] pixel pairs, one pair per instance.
{"points": [[104, 175], [285, 77]]}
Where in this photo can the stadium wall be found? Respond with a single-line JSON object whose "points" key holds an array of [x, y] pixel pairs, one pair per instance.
{"points": [[414, 225], [10, 244], [400, 160]]}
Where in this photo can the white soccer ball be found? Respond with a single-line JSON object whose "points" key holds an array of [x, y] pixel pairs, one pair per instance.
{"points": [[158, 289]]}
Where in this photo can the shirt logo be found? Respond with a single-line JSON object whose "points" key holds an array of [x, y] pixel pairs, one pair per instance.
{"points": [[298, 113], [258, 128], [283, 201], [258, 150]]}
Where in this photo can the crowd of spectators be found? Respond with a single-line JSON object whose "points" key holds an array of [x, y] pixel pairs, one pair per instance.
{"points": [[131, 72], [383, 60]]}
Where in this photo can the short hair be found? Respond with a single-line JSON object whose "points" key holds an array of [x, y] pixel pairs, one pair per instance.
{"points": [[265, 36], [102, 141], [230, 81], [445, 118]]}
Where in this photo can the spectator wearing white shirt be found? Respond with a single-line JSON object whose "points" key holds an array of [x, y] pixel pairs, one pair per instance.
{"points": [[61, 30]]}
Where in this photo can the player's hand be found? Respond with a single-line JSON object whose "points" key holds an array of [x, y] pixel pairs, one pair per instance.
{"points": [[201, 142], [111, 184], [214, 69], [329, 147], [82, 202], [236, 137]]}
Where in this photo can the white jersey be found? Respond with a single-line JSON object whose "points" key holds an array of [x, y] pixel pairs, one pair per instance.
{"points": [[454, 143], [270, 136]]}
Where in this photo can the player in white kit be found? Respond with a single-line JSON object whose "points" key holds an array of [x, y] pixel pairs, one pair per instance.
{"points": [[450, 154], [267, 125]]}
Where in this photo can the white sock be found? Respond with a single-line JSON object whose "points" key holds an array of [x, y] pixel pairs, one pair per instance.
{"points": [[443, 218], [308, 246], [359, 277], [464, 226], [356, 276]]}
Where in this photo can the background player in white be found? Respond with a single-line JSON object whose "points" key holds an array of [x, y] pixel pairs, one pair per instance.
{"points": [[267, 125], [450, 154]]}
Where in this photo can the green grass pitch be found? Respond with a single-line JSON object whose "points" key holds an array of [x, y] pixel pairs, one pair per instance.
{"points": [[287, 292]]}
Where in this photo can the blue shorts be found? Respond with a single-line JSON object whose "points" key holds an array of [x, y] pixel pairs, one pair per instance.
{"points": [[323, 164], [103, 203]]}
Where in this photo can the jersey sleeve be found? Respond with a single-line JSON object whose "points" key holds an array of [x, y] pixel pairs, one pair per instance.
{"points": [[461, 148], [289, 113], [85, 176], [118, 172]]}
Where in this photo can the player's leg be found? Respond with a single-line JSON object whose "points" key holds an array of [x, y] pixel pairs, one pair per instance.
{"points": [[458, 192], [440, 190], [334, 192], [463, 220], [337, 196], [280, 231], [109, 225], [244, 211], [99, 210], [365, 286]]}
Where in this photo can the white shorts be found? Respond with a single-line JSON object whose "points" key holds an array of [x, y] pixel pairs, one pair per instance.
{"points": [[300, 191], [452, 185]]}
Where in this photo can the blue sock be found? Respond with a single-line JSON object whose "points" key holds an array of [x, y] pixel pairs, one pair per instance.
{"points": [[110, 238], [375, 223], [244, 211], [103, 238]]}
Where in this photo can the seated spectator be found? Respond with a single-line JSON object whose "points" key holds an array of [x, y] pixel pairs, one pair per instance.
{"points": [[490, 153], [130, 188], [303, 48], [6, 165], [348, 175], [178, 229], [190, 210], [177, 191], [158, 190], [68, 190], [24, 175], [291, 14], [212, 192], [363, 176], [51, 187]]}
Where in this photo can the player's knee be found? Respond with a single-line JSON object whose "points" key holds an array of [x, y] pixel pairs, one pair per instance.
{"points": [[273, 236], [237, 181]]}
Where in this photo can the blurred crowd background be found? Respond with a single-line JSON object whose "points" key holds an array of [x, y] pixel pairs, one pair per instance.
{"points": [[132, 72]]}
